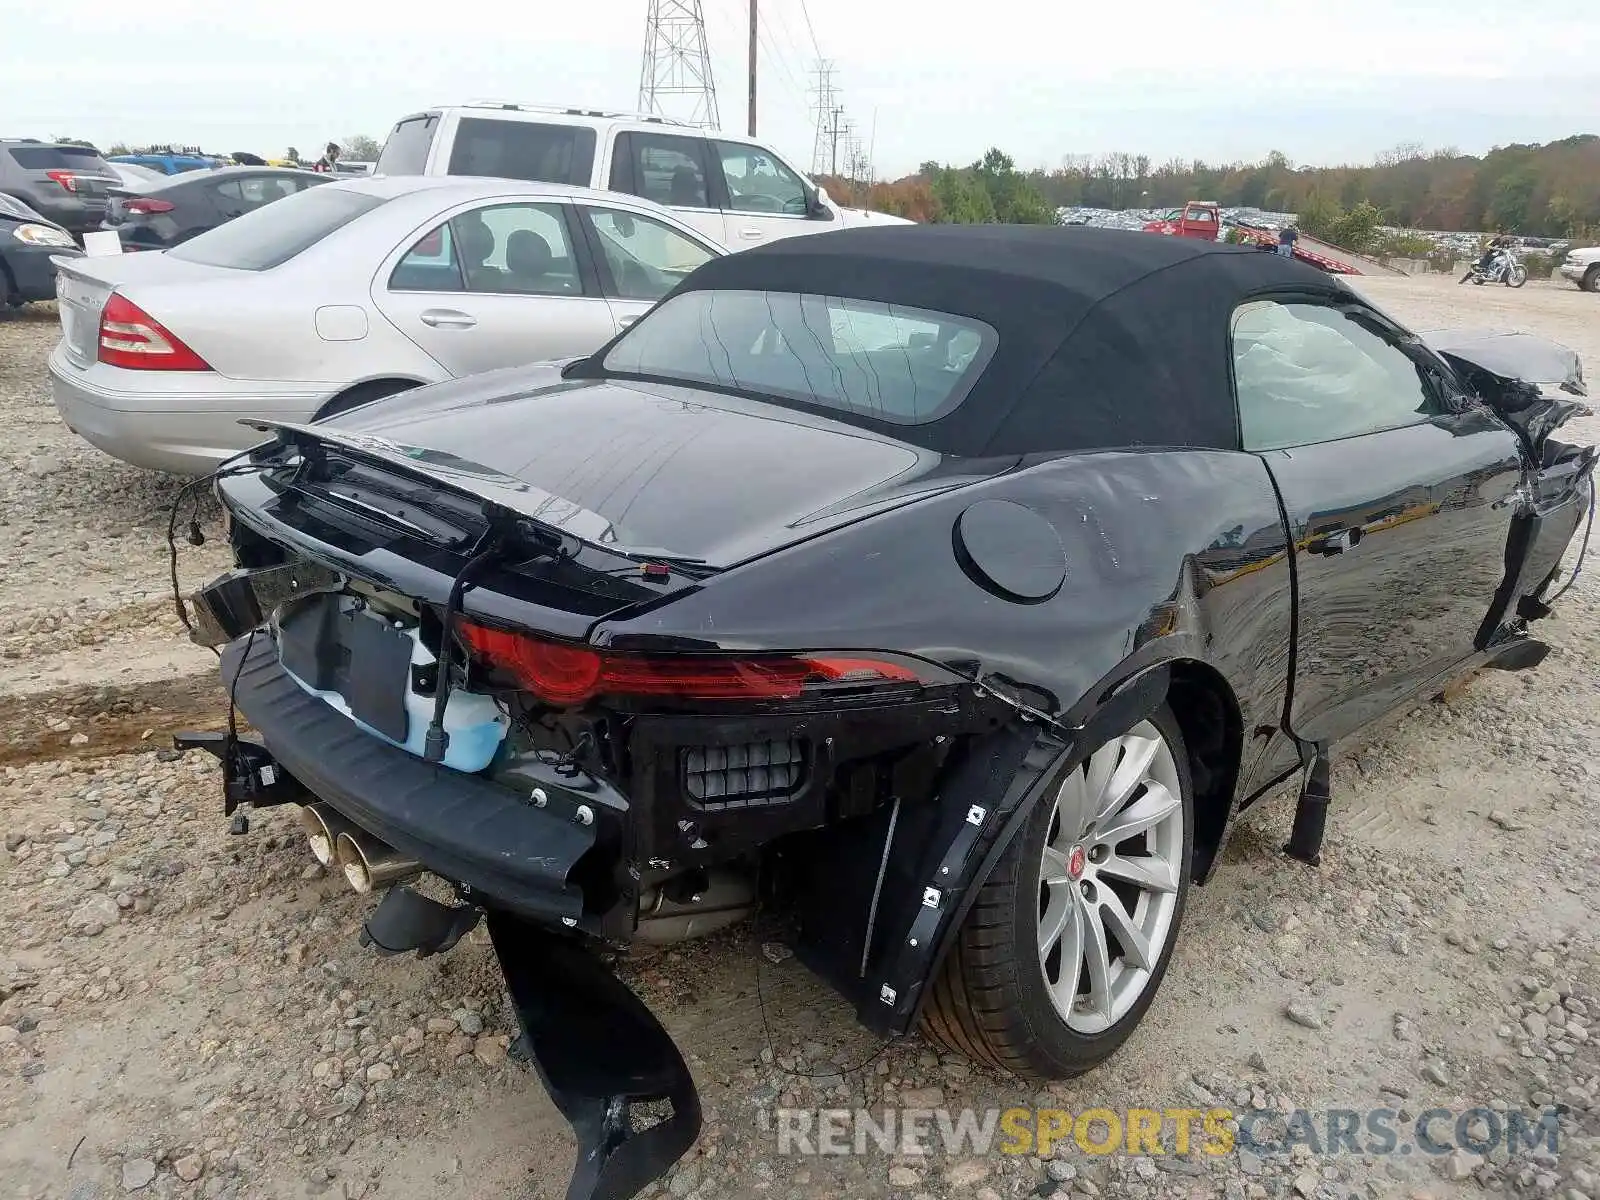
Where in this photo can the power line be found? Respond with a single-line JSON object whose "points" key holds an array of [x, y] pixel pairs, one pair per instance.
{"points": [[811, 29], [677, 63]]}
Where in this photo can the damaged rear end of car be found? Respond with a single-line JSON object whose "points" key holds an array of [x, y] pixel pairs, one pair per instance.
{"points": [[418, 643]]}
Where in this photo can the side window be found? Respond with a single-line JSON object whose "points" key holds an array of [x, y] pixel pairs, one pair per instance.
{"points": [[646, 259], [669, 170], [517, 250], [523, 150], [429, 266], [758, 182], [264, 189], [1309, 373]]}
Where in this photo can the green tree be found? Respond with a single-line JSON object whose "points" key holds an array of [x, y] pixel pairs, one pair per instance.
{"points": [[1318, 215], [1358, 228], [359, 147]]}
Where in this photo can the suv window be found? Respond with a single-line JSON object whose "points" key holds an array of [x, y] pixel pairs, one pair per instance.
{"points": [[517, 250], [271, 235], [1308, 373], [669, 170], [406, 150], [646, 259], [58, 158], [523, 150], [759, 183]]}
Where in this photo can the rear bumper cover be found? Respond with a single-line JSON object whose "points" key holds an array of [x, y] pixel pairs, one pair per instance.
{"points": [[185, 422], [465, 828]]}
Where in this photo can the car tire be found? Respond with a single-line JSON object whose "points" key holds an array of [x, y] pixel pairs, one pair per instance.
{"points": [[363, 393], [994, 999], [1591, 279]]}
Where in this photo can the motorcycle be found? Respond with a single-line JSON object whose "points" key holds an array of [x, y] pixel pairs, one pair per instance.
{"points": [[1503, 267]]}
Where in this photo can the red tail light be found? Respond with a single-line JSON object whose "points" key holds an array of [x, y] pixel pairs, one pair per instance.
{"points": [[147, 205], [131, 337], [65, 178], [570, 675]]}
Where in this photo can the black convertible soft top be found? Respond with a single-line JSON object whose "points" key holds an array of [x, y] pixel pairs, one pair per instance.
{"points": [[1106, 338]]}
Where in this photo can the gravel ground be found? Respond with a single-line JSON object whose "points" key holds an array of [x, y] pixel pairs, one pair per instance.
{"points": [[185, 1013]]}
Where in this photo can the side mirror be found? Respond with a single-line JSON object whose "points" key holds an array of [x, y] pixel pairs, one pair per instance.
{"points": [[820, 207]]}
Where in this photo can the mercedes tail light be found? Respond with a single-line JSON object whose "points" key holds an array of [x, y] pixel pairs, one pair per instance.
{"points": [[132, 338]]}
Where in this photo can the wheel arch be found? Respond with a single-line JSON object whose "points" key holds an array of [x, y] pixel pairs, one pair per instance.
{"points": [[1212, 722], [1210, 719]]}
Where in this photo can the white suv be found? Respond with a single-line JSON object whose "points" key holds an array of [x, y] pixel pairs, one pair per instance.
{"points": [[1583, 267], [735, 191]]}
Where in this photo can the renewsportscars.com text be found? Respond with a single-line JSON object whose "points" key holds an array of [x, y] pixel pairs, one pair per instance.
{"points": [[1179, 1131]]}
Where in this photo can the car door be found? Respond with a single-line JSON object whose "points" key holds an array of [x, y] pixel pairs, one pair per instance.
{"points": [[674, 170], [638, 258], [1397, 496], [496, 285], [764, 198]]}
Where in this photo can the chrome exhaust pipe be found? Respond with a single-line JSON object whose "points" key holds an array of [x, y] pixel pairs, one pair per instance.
{"points": [[323, 827], [369, 863]]}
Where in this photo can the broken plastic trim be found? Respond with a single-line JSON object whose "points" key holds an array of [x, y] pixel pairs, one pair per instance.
{"points": [[599, 1052]]}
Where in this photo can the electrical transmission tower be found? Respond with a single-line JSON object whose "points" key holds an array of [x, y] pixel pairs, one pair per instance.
{"points": [[677, 63], [827, 110]]}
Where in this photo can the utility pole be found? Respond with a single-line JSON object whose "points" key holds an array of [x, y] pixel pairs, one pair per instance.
{"points": [[752, 129], [677, 63], [833, 156]]}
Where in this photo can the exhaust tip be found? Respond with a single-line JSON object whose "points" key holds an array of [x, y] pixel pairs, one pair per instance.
{"points": [[319, 836], [357, 871]]}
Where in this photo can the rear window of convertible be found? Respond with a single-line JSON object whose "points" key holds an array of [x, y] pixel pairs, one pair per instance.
{"points": [[885, 361], [269, 236]]}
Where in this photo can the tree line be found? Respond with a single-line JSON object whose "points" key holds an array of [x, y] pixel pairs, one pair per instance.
{"points": [[1539, 190]]}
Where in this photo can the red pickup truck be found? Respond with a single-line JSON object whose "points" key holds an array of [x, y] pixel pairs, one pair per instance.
{"points": [[1196, 219]]}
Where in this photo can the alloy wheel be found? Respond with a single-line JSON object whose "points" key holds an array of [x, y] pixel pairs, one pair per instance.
{"points": [[1109, 878]]}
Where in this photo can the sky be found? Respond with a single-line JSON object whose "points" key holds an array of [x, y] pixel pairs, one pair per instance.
{"points": [[938, 79]]}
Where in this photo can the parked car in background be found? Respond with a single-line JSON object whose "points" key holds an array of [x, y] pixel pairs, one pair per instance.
{"points": [[945, 592], [174, 208], [65, 184], [1582, 266], [731, 188], [348, 291], [170, 164], [131, 176], [27, 244]]}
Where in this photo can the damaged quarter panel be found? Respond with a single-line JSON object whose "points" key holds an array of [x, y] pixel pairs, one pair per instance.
{"points": [[1168, 555]]}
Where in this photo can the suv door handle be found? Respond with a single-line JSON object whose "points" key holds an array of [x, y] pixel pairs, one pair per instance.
{"points": [[624, 322], [447, 318], [1337, 542], [750, 234]]}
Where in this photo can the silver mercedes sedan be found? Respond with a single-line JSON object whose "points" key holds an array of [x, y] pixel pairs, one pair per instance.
{"points": [[343, 294]]}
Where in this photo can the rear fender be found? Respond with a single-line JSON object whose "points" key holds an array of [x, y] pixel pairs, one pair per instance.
{"points": [[899, 885]]}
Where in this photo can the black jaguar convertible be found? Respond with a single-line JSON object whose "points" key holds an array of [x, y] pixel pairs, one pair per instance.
{"points": [[949, 590]]}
